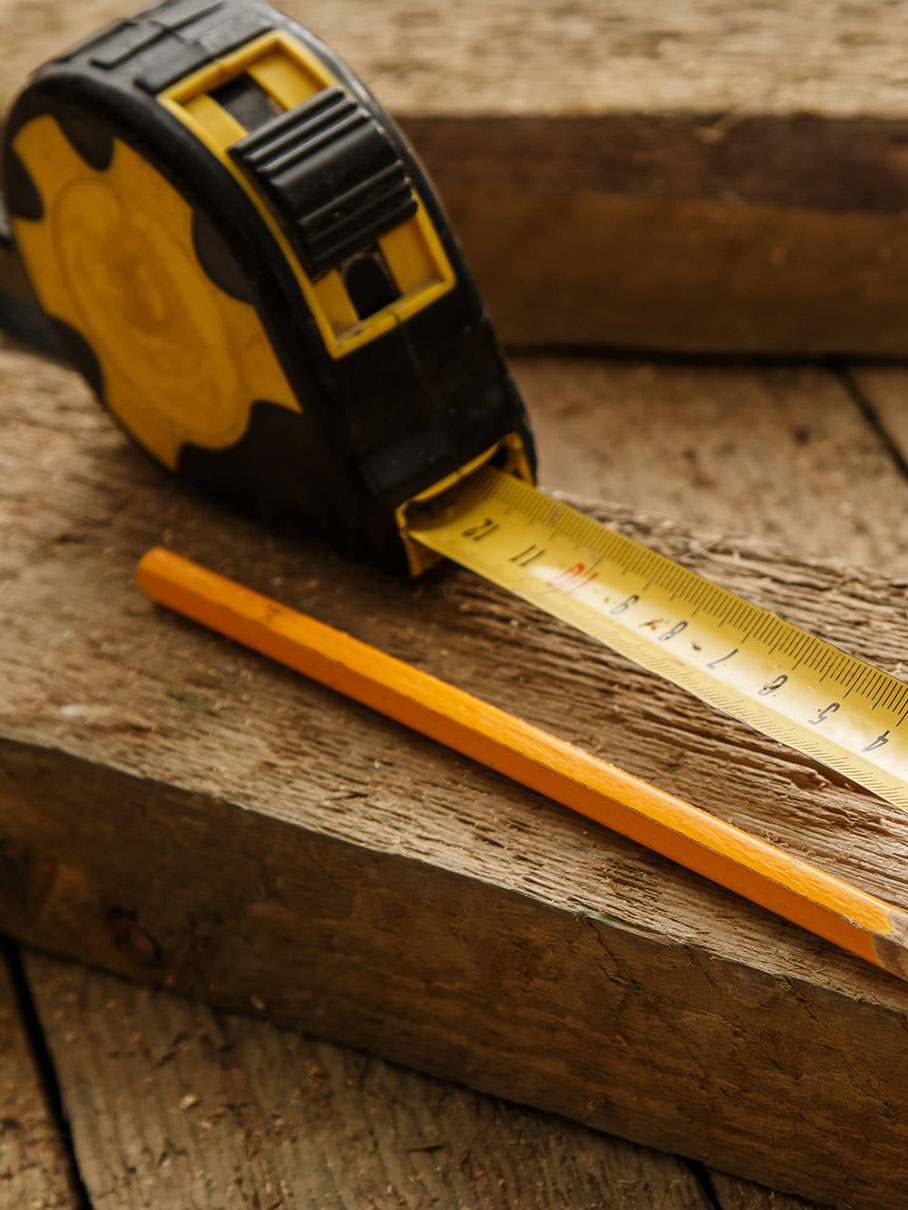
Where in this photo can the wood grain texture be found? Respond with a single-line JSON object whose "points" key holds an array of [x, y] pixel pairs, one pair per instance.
{"points": [[781, 453], [172, 808], [729, 1193], [441, 57], [882, 393], [173, 1104], [572, 402], [705, 176], [34, 1169], [170, 1100]]}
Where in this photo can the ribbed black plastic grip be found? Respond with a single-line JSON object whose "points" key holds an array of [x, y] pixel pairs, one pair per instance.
{"points": [[331, 175]]}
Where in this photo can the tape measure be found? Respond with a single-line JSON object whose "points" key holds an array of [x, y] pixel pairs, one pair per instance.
{"points": [[234, 244], [232, 241]]}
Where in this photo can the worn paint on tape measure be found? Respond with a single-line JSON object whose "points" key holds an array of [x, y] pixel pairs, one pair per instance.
{"points": [[732, 654]]}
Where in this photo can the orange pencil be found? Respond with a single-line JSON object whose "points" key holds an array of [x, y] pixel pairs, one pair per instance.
{"points": [[843, 914]]}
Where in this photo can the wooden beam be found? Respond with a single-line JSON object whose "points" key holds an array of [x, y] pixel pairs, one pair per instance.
{"points": [[172, 808], [173, 1104], [34, 1167], [725, 177]]}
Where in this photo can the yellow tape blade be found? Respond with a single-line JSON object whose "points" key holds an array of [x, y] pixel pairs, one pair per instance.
{"points": [[730, 653]]}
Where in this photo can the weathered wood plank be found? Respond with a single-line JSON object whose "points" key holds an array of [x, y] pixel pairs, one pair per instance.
{"points": [[573, 402], [780, 453], [720, 176], [174, 808], [34, 1169], [173, 1104]]}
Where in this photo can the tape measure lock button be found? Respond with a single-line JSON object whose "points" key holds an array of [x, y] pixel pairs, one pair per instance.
{"points": [[332, 177]]}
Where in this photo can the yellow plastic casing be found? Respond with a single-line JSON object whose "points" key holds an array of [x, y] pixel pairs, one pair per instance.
{"points": [[113, 257]]}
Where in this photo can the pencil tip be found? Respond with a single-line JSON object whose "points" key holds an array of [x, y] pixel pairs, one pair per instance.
{"points": [[892, 948]]}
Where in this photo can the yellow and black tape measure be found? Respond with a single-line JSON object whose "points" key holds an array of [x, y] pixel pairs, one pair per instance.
{"points": [[232, 241]]}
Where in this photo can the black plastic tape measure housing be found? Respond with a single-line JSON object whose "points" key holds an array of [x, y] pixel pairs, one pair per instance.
{"points": [[241, 253]]}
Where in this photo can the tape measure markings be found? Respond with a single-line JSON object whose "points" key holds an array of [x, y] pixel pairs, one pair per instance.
{"points": [[729, 652]]}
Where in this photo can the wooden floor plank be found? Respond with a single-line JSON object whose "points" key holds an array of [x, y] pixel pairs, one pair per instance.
{"points": [[712, 176], [34, 1168], [780, 453], [173, 1104], [170, 1101], [378, 891]]}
